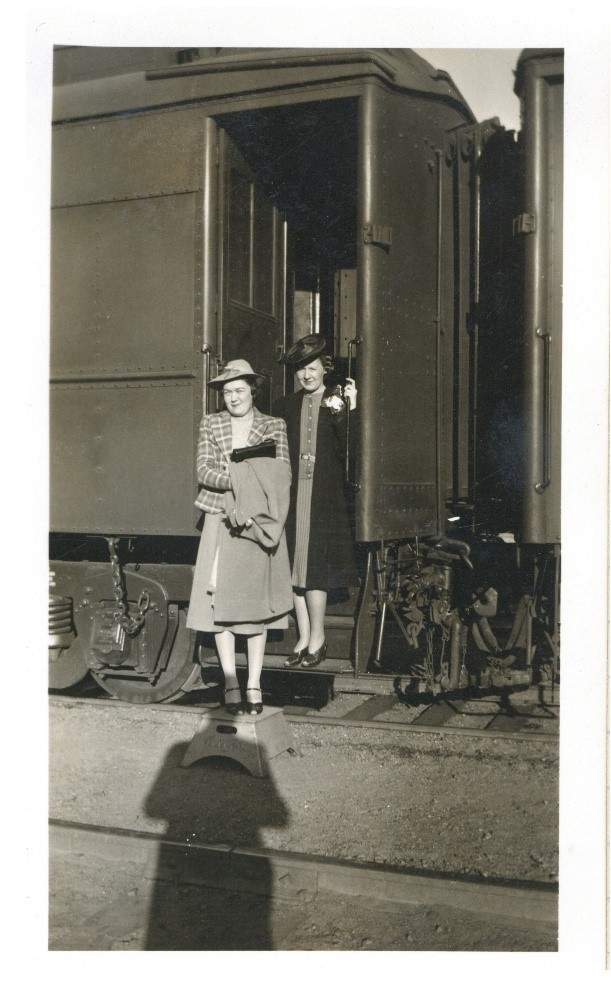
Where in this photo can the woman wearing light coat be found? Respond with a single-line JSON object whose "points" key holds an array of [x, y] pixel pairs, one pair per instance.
{"points": [[242, 581]]}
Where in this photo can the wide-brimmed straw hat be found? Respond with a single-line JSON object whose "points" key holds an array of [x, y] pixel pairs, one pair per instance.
{"points": [[234, 370], [304, 350]]}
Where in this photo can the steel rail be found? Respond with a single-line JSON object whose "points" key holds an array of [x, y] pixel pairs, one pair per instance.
{"points": [[378, 725], [289, 873]]}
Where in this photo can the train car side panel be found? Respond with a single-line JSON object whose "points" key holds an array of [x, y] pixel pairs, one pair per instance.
{"points": [[146, 154], [128, 243], [124, 285], [122, 457]]}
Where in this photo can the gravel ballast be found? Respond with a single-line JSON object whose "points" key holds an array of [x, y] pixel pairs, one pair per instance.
{"points": [[425, 801]]}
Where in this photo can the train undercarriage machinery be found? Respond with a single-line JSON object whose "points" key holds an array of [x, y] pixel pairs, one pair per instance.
{"points": [[455, 637]]}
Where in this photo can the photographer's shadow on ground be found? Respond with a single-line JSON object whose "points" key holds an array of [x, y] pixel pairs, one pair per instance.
{"points": [[214, 801]]}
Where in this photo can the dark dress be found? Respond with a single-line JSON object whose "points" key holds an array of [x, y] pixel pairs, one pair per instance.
{"points": [[331, 562]]}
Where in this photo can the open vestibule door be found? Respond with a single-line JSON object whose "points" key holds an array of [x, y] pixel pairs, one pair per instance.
{"points": [[252, 285]]}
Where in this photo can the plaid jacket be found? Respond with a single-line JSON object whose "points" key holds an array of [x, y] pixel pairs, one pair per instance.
{"points": [[214, 449]]}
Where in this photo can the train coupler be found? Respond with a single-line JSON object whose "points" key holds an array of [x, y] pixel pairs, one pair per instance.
{"points": [[107, 647]]}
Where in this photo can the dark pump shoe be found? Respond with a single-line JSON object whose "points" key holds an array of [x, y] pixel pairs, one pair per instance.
{"points": [[254, 708], [235, 707], [313, 660], [294, 660]]}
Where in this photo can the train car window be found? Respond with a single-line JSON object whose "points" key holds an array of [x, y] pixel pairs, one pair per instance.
{"points": [[251, 245]]}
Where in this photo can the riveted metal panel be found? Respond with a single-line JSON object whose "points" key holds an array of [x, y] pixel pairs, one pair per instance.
{"points": [[344, 311], [405, 501], [541, 86], [122, 458], [134, 155], [397, 306], [126, 287]]}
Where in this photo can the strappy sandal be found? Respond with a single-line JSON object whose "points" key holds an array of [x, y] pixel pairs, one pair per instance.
{"points": [[234, 708], [253, 708]]}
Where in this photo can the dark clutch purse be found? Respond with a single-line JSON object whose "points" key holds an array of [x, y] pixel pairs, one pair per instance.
{"points": [[265, 449]]}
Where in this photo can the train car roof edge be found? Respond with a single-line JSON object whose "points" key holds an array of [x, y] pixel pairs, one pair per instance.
{"points": [[528, 55], [397, 68]]}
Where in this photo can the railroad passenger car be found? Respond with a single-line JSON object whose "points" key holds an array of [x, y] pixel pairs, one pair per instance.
{"points": [[214, 203]]}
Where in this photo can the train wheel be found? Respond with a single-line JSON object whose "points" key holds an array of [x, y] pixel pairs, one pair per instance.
{"points": [[69, 667], [179, 677]]}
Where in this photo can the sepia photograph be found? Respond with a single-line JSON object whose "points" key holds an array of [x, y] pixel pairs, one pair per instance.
{"points": [[306, 475]]}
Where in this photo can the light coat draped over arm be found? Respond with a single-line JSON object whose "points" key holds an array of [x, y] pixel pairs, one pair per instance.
{"points": [[254, 577]]}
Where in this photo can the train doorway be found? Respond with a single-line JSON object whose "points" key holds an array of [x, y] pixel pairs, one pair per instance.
{"points": [[296, 164], [252, 311]]}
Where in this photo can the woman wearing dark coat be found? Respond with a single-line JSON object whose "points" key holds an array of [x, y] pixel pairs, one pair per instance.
{"points": [[317, 527]]}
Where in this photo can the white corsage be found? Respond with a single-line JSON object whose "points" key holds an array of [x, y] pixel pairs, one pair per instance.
{"points": [[335, 402]]}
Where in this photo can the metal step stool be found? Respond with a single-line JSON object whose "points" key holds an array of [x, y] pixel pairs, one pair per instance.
{"points": [[251, 740]]}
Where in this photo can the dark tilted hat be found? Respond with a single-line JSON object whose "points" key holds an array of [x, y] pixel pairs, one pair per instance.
{"points": [[304, 350], [233, 370]]}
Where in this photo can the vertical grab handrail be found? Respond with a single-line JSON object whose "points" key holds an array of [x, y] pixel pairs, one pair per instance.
{"points": [[547, 411], [207, 351], [438, 335], [351, 347], [270, 391], [476, 224]]}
